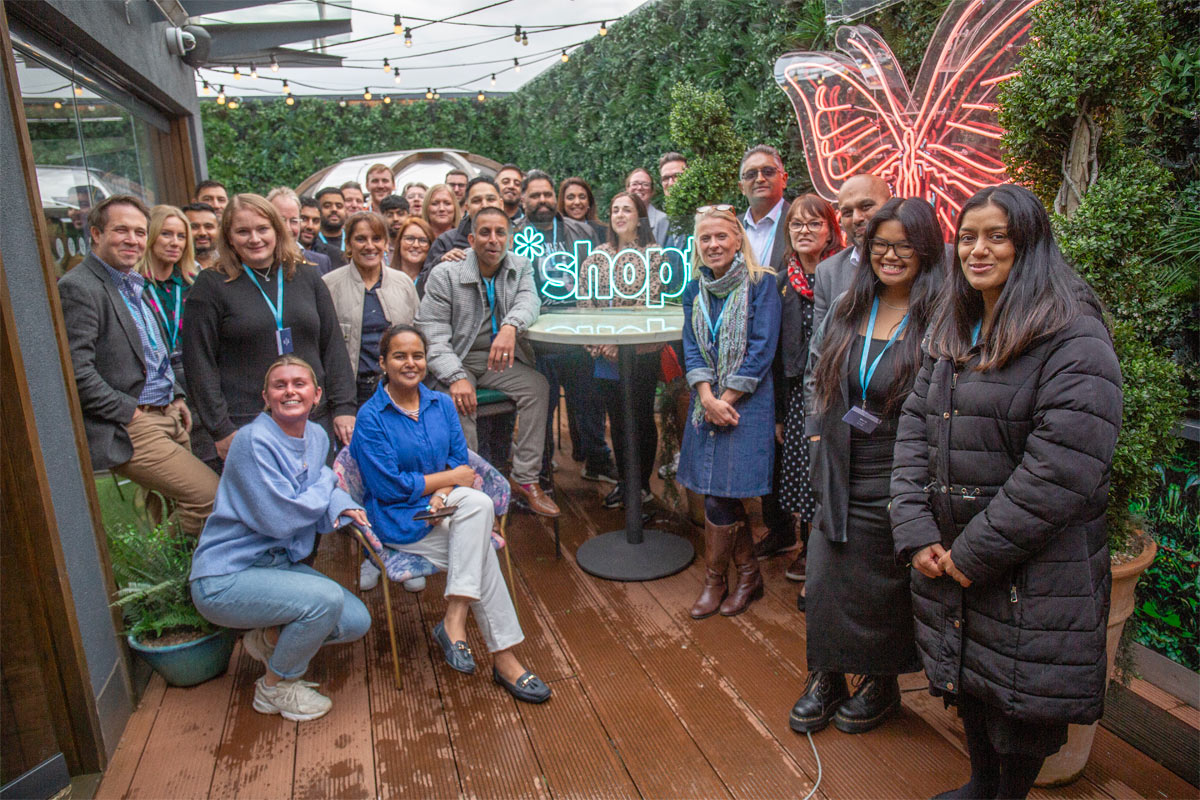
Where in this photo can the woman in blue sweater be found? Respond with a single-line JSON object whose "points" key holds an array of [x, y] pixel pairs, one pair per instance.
{"points": [[275, 495], [412, 454]]}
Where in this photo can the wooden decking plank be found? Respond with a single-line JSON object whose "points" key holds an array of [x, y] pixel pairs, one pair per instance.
{"points": [[335, 754], [577, 758], [540, 651], [124, 763], [181, 753], [1114, 762], [257, 753], [661, 757], [413, 753]]}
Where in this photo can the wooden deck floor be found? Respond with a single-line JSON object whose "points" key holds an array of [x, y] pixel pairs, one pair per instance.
{"points": [[647, 703]]}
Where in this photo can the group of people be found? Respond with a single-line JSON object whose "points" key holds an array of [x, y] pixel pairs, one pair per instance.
{"points": [[932, 424]]}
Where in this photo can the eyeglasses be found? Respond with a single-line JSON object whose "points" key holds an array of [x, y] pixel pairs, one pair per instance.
{"points": [[880, 247], [710, 209], [796, 226], [640, 184], [414, 240], [766, 172]]}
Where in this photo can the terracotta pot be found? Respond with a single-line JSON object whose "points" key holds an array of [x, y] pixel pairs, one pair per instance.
{"points": [[1067, 764]]}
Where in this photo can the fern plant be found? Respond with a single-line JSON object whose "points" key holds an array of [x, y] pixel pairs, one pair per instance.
{"points": [[150, 565]]}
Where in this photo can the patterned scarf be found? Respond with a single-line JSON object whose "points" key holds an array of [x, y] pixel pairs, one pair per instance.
{"points": [[724, 356], [797, 277]]}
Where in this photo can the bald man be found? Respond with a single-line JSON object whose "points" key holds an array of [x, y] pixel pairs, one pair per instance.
{"points": [[860, 197]]}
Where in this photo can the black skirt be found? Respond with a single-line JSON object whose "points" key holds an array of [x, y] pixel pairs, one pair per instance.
{"points": [[1010, 736], [859, 608]]}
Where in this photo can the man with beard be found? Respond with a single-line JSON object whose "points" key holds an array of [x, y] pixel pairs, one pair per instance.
{"points": [[568, 366], [453, 245], [353, 197], [202, 219], [380, 184], [509, 180], [310, 221], [288, 205], [333, 216], [457, 180], [395, 210]]}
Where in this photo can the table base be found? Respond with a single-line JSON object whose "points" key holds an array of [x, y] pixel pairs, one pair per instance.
{"points": [[611, 556]]}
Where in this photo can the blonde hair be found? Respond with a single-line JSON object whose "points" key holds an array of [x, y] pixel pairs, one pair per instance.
{"points": [[286, 361], [187, 261], [755, 269], [287, 252], [429, 195]]}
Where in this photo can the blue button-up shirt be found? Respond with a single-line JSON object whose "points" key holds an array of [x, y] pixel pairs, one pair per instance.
{"points": [[159, 388], [762, 233]]}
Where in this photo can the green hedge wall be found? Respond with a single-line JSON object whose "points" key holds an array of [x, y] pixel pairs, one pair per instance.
{"points": [[597, 116]]}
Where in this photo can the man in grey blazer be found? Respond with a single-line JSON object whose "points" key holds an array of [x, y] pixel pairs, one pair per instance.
{"points": [[858, 200], [134, 413], [762, 177]]}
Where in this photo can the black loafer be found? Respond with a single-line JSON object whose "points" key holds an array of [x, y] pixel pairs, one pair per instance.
{"points": [[529, 688], [458, 655]]}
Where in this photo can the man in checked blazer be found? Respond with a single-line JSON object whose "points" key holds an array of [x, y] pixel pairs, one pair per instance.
{"points": [[474, 313]]}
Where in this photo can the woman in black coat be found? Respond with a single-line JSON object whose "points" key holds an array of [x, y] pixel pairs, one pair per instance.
{"points": [[999, 488], [863, 362]]}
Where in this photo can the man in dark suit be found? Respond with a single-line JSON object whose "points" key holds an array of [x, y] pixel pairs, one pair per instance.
{"points": [[858, 200], [762, 177], [134, 413]]}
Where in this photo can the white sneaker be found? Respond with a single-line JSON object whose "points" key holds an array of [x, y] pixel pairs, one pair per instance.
{"points": [[416, 584], [368, 575], [296, 700], [256, 645]]}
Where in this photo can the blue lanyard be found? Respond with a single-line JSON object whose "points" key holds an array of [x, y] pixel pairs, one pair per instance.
{"points": [[490, 285], [554, 232], [326, 241], [147, 325], [714, 328], [865, 375], [172, 332], [975, 333], [277, 306]]}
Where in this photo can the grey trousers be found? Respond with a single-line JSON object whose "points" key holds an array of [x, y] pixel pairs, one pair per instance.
{"points": [[462, 546], [527, 388]]}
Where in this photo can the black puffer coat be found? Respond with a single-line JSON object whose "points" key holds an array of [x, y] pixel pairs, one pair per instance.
{"points": [[1009, 469]]}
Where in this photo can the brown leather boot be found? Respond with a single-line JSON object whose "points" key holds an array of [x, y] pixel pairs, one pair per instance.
{"points": [[749, 580], [718, 543]]}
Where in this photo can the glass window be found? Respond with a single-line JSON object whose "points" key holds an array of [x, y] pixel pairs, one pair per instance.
{"points": [[86, 147]]}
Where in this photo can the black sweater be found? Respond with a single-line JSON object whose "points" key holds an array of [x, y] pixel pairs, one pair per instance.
{"points": [[229, 341]]}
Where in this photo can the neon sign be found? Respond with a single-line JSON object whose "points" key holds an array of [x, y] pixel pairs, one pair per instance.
{"points": [[568, 276], [941, 141]]}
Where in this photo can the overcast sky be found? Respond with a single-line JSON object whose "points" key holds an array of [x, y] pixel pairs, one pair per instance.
{"points": [[443, 56]]}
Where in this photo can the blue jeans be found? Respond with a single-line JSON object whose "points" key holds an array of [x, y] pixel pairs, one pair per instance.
{"points": [[312, 609]]}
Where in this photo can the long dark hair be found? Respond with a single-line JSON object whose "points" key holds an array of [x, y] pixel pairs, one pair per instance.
{"points": [[921, 229], [645, 237], [1040, 297]]}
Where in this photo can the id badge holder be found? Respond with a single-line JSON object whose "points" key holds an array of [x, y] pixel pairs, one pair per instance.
{"points": [[862, 419], [283, 341]]}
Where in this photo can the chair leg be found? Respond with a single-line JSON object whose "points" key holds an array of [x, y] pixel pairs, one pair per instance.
{"points": [[557, 546], [512, 586], [117, 483], [387, 601]]}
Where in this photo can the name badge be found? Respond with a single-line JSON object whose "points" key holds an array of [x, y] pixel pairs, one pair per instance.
{"points": [[862, 419], [283, 341]]}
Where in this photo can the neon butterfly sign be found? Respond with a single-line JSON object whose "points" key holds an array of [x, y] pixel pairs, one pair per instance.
{"points": [[941, 142]]}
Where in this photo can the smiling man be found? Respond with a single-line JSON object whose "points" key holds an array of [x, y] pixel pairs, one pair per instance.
{"points": [[858, 200], [332, 206], [202, 218], [481, 192], [134, 413], [509, 180], [474, 314], [762, 179], [380, 184]]}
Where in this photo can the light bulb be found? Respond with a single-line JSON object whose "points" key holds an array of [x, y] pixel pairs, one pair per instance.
{"points": [[437, 95], [386, 65], [397, 25], [604, 28], [479, 96], [79, 91], [342, 103], [516, 65], [231, 105], [253, 70], [366, 93], [396, 72], [205, 90], [524, 40], [221, 95], [387, 99], [493, 79], [408, 38], [274, 65], [429, 94], [57, 104], [286, 89], [516, 33], [291, 101], [237, 76], [565, 57]]}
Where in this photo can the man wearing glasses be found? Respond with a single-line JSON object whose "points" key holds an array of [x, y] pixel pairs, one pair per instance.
{"points": [[762, 178], [638, 182], [858, 200]]}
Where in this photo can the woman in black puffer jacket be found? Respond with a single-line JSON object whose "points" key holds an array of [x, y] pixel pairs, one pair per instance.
{"points": [[999, 487]]}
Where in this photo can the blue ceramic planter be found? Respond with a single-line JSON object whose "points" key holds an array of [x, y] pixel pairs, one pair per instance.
{"points": [[192, 662]]}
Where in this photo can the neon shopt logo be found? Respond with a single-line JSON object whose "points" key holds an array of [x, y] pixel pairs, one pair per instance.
{"points": [[625, 276]]}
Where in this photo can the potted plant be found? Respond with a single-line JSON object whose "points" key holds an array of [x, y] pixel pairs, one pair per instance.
{"points": [[151, 566]]}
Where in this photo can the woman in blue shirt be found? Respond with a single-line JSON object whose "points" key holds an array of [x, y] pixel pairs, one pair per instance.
{"points": [[275, 495], [731, 326], [412, 454]]}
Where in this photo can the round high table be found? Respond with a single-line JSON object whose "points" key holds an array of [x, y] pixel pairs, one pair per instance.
{"points": [[634, 553]]}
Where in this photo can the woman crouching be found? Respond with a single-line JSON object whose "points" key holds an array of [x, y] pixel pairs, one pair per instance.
{"points": [[275, 495]]}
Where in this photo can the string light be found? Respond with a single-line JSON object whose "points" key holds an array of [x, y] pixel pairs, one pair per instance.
{"points": [[516, 33], [286, 89], [397, 25], [396, 73], [516, 65], [386, 65], [237, 76], [274, 65], [342, 103], [429, 94], [480, 96], [291, 101], [493, 79], [232, 104], [387, 99], [604, 28], [366, 93], [524, 40], [253, 70], [437, 95], [79, 91], [205, 89], [408, 38], [565, 57], [221, 95], [57, 104]]}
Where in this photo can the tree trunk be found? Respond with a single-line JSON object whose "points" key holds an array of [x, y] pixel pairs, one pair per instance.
{"points": [[1080, 167]]}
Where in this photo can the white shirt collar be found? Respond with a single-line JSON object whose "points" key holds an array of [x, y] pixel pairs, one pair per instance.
{"points": [[770, 219]]}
